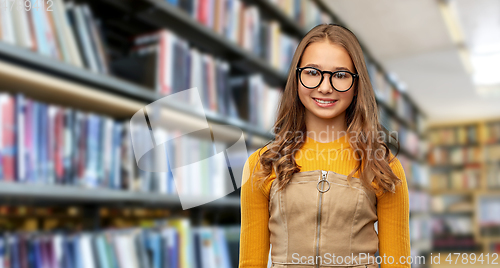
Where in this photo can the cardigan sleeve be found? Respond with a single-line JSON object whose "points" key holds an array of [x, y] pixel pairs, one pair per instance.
{"points": [[393, 222], [254, 236]]}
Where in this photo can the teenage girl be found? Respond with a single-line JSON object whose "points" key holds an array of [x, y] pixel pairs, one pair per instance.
{"points": [[314, 192]]}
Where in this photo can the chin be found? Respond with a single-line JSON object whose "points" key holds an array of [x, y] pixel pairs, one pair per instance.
{"points": [[325, 115]]}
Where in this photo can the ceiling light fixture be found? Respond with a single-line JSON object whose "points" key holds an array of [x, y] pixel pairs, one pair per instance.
{"points": [[449, 12]]}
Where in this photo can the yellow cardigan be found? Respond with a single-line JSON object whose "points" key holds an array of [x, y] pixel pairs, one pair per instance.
{"points": [[392, 208]]}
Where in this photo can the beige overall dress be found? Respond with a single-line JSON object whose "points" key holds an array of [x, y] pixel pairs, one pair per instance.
{"points": [[318, 220]]}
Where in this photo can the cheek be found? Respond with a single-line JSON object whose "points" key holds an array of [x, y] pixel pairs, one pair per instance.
{"points": [[303, 93], [347, 97]]}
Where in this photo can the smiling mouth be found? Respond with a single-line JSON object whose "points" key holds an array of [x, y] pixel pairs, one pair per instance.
{"points": [[323, 101]]}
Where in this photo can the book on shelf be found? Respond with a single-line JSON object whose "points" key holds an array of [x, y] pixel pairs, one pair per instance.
{"points": [[249, 91], [50, 144], [392, 97], [381, 86], [453, 232], [466, 179], [279, 47], [491, 132], [408, 139], [416, 172], [494, 247], [69, 33], [455, 156], [171, 66], [420, 174], [235, 18], [306, 14], [451, 204], [88, 37], [493, 175], [419, 201], [242, 24], [175, 244], [384, 118], [458, 135], [492, 153], [420, 230], [489, 216]]}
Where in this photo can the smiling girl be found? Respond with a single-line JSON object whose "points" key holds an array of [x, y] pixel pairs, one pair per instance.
{"points": [[315, 191]]}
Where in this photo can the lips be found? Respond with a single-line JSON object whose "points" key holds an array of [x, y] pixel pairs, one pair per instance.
{"points": [[325, 100]]}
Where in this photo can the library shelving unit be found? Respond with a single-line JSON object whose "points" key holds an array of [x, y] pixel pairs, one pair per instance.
{"points": [[48, 80], [463, 158]]}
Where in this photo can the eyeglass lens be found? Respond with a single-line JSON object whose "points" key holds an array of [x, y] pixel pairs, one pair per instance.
{"points": [[311, 78]]}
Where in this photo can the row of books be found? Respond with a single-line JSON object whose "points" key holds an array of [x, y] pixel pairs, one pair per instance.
{"points": [[407, 138], [452, 225], [257, 101], [459, 135], [162, 61], [65, 31], [51, 144], [492, 153], [382, 87], [385, 118], [493, 175], [177, 244], [453, 156], [491, 132], [466, 179], [489, 216], [421, 126], [456, 243], [453, 233], [169, 66], [306, 14], [490, 231], [419, 201], [244, 25], [494, 248], [416, 173], [72, 34], [420, 229], [451, 204], [387, 93], [489, 211]]}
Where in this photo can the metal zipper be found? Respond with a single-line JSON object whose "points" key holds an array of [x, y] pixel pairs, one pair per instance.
{"points": [[322, 181]]}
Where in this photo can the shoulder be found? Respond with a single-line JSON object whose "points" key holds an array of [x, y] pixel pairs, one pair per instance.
{"points": [[252, 165], [398, 170]]}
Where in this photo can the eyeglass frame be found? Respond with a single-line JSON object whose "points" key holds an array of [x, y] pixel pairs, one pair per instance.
{"points": [[300, 69]]}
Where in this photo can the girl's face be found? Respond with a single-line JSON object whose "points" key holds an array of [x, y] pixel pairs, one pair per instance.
{"points": [[326, 57]]}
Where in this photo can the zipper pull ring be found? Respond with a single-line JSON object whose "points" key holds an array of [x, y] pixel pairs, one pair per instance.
{"points": [[323, 179]]}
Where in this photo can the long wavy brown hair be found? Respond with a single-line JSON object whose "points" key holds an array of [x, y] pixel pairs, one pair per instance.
{"points": [[372, 151]]}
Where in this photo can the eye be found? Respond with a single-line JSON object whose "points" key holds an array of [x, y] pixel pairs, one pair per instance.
{"points": [[341, 75], [311, 72]]}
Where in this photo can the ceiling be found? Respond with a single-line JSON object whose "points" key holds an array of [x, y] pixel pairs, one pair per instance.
{"points": [[410, 39]]}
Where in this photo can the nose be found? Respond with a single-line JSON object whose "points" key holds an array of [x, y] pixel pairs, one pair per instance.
{"points": [[325, 87]]}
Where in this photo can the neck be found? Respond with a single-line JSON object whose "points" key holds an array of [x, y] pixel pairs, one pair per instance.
{"points": [[325, 130]]}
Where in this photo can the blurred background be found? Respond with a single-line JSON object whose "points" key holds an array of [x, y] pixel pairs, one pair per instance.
{"points": [[72, 73]]}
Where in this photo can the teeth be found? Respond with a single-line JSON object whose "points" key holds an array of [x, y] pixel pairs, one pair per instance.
{"points": [[324, 102]]}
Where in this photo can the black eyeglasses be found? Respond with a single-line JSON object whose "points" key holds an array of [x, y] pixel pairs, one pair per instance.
{"points": [[311, 77]]}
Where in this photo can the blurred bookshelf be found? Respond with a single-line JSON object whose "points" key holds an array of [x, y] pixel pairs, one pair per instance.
{"points": [[94, 64], [463, 158]]}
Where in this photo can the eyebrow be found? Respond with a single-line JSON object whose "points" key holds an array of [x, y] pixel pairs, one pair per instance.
{"points": [[339, 68]]}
